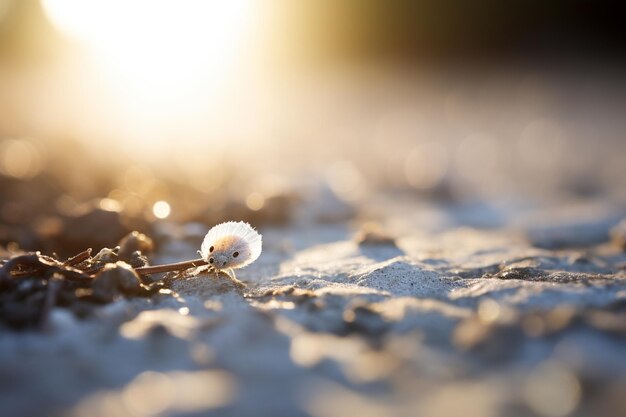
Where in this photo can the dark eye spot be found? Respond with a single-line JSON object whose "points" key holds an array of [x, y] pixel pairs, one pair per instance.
{"points": [[211, 260], [211, 249], [236, 254]]}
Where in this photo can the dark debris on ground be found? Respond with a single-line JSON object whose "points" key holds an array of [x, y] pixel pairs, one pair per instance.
{"points": [[31, 284]]}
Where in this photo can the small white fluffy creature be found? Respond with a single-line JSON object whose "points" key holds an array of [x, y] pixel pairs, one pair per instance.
{"points": [[231, 245]]}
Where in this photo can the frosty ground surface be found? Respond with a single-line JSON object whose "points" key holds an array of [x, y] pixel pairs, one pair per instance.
{"points": [[439, 321]]}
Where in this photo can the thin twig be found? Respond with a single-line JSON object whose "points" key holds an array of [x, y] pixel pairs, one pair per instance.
{"points": [[178, 266], [76, 259]]}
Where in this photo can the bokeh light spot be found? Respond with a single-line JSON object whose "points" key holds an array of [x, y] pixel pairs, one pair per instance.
{"points": [[426, 165], [552, 390], [346, 180], [255, 201], [161, 209], [20, 159]]}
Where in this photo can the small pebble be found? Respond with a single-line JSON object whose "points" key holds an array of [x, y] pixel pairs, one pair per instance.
{"points": [[373, 234], [132, 243], [618, 235], [116, 279]]}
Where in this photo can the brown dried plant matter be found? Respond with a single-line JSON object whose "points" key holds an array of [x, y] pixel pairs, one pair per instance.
{"points": [[31, 284], [173, 267]]}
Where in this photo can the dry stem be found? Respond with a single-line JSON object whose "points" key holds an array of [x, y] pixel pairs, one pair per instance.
{"points": [[178, 266]]}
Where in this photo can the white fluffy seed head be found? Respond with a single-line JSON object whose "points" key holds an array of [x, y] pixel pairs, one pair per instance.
{"points": [[231, 245]]}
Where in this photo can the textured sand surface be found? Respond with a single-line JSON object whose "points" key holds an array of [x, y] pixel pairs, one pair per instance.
{"points": [[457, 321]]}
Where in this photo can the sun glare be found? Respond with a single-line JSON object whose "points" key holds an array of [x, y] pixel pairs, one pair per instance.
{"points": [[160, 40], [156, 61]]}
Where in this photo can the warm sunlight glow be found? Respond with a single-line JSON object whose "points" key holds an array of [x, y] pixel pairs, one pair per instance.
{"points": [[154, 40], [161, 209], [157, 63]]}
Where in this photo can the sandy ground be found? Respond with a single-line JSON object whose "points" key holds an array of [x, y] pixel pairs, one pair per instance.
{"points": [[422, 317]]}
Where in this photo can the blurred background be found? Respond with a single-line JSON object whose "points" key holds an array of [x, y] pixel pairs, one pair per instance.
{"points": [[406, 120], [129, 112]]}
